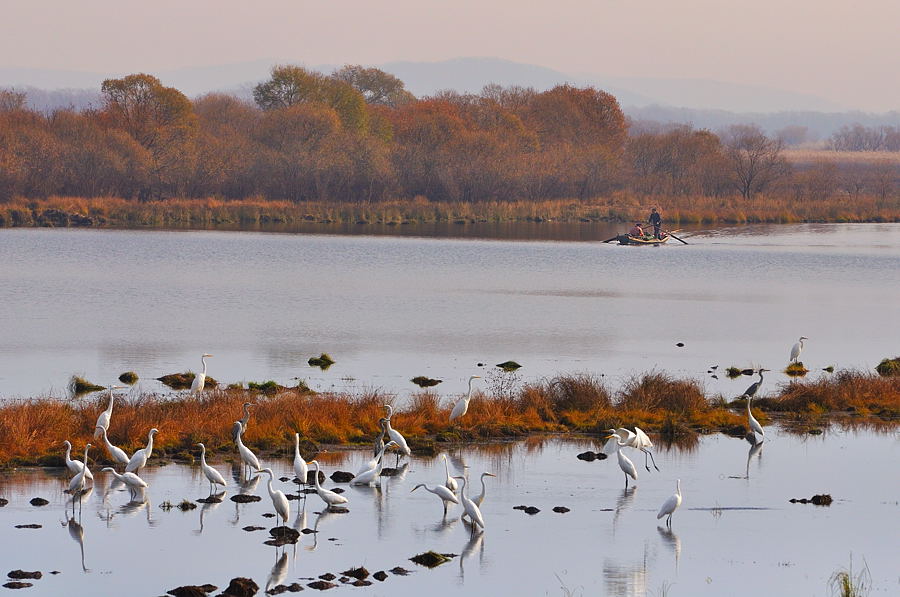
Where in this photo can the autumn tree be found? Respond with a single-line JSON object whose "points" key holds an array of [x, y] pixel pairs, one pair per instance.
{"points": [[755, 160], [376, 86]]}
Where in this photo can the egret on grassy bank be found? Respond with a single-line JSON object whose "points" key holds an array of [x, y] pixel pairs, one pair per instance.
{"points": [[329, 497], [116, 453], [139, 458], [134, 483], [441, 491], [624, 463], [279, 501], [200, 378], [797, 348], [212, 475], [245, 419], [103, 419], [462, 405], [671, 504]]}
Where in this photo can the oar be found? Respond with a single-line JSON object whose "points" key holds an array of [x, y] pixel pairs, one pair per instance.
{"points": [[675, 237]]}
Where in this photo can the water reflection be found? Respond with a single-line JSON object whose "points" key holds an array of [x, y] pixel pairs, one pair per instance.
{"points": [[212, 502], [755, 448], [627, 580], [623, 502], [279, 571], [475, 545], [76, 532], [670, 539]]}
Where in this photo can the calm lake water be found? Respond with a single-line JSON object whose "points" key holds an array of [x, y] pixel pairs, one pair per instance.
{"points": [[101, 302], [735, 534]]}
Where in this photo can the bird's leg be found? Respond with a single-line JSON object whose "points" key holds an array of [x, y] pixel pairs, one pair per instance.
{"points": [[626, 480], [653, 460]]}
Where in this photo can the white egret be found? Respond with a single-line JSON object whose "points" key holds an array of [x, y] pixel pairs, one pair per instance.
{"points": [[797, 348], [636, 439], [402, 446], [624, 463], [479, 499], [379, 444], [450, 483], [103, 419], [139, 459], [462, 405], [301, 469], [117, 454], [76, 485], [279, 501], [246, 418], [471, 508], [134, 483], [441, 491], [248, 458], [74, 465], [200, 378], [671, 504], [751, 420], [373, 474], [329, 497], [212, 475]]}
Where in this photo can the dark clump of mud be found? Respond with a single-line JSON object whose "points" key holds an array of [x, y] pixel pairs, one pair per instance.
{"points": [[3, 502], [192, 590], [321, 585], [591, 456], [561, 509], [252, 528], [823, 499], [22, 574], [509, 366], [129, 377], [425, 382], [243, 498], [38, 501], [338, 510], [358, 573], [380, 576], [311, 478], [430, 559], [399, 571], [361, 583], [342, 476], [28, 526], [293, 588], [240, 587], [328, 576], [323, 361], [527, 509], [210, 500], [17, 585]]}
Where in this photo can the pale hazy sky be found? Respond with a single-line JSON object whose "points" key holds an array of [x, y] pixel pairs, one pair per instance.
{"points": [[847, 51]]}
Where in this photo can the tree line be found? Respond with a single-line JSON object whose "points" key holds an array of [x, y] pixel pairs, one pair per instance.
{"points": [[359, 135]]}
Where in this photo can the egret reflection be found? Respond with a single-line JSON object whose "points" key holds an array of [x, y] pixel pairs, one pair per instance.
{"points": [[76, 532], [278, 573]]}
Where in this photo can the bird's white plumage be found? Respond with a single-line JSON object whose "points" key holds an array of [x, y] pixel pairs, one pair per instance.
{"points": [[797, 348], [671, 504], [73, 464], [301, 469], [115, 452], [133, 482], [441, 491], [139, 459], [462, 405], [754, 424], [200, 378], [105, 416], [78, 481], [247, 456], [402, 446], [471, 508], [373, 474], [279, 500], [624, 463], [212, 475], [329, 497], [450, 483]]}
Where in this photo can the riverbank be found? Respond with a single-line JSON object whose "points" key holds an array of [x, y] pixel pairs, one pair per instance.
{"points": [[261, 214], [671, 409]]}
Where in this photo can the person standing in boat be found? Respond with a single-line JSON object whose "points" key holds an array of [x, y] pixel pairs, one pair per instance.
{"points": [[656, 221]]}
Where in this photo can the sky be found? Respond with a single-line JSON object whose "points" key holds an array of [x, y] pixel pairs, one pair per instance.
{"points": [[847, 52]]}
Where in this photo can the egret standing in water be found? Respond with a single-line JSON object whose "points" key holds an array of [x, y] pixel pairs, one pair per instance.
{"points": [[279, 501], [379, 441], [200, 378], [755, 427], [479, 499], [248, 458], [624, 463], [450, 483], [442, 492], [402, 446], [670, 505], [76, 485], [135, 484], [797, 348], [301, 469], [74, 465], [103, 419], [329, 497], [471, 508], [462, 406], [139, 458], [212, 475], [117, 454], [371, 475]]}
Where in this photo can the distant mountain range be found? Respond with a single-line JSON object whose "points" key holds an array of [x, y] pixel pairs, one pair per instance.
{"points": [[704, 103]]}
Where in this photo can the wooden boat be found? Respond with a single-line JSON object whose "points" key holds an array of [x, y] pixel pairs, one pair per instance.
{"points": [[627, 239]]}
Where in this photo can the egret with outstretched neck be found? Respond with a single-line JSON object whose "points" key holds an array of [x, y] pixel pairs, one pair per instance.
{"points": [[671, 504], [116, 453], [301, 469], [797, 349], [442, 492], [370, 476], [104, 418], [462, 405], [200, 378], [279, 500], [212, 475], [248, 458], [329, 497], [471, 508], [134, 483], [479, 499], [73, 464], [139, 459], [624, 463], [450, 483]]}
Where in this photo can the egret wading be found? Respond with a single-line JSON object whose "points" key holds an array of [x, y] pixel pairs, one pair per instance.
{"points": [[139, 459], [301, 469], [279, 501], [76, 485], [329, 497], [471, 508], [74, 465], [671, 504], [212, 475], [450, 483], [442, 492], [134, 483], [200, 378], [755, 427], [624, 463], [373, 474], [462, 405], [479, 499], [248, 458], [797, 348]]}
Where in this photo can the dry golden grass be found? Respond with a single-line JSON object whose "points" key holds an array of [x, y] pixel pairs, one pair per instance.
{"points": [[813, 156]]}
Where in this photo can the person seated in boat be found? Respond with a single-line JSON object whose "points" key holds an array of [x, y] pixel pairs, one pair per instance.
{"points": [[636, 231], [655, 220]]}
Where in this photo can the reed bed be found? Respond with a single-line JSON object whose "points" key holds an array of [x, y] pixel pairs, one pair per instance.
{"points": [[259, 213]]}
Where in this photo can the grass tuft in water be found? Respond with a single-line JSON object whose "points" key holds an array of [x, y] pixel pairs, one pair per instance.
{"points": [[733, 372], [266, 387], [844, 583], [323, 361], [79, 385], [889, 367], [183, 381], [509, 365], [129, 377], [425, 382], [796, 369]]}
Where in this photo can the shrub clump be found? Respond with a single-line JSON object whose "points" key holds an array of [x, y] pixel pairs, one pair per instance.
{"points": [[183, 381], [266, 387], [659, 391], [889, 367], [796, 369], [79, 385], [323, 361], [129, 377]]}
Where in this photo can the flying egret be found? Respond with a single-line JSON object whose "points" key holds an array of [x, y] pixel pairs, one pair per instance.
{"points": [[103, 419], [77, 482], [624, 463], [450, 483], [212, 475], [117, 454], [200, 378], [134, 483], [471, 508], [480, 498], [73, 464], [329, 497], [248, 458], [279, 501], [139, 459], [797, 348], [301, 469], [373, 474], [441, 491], [462, 405], [671, 504], [636, 439], [402, 446]]}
